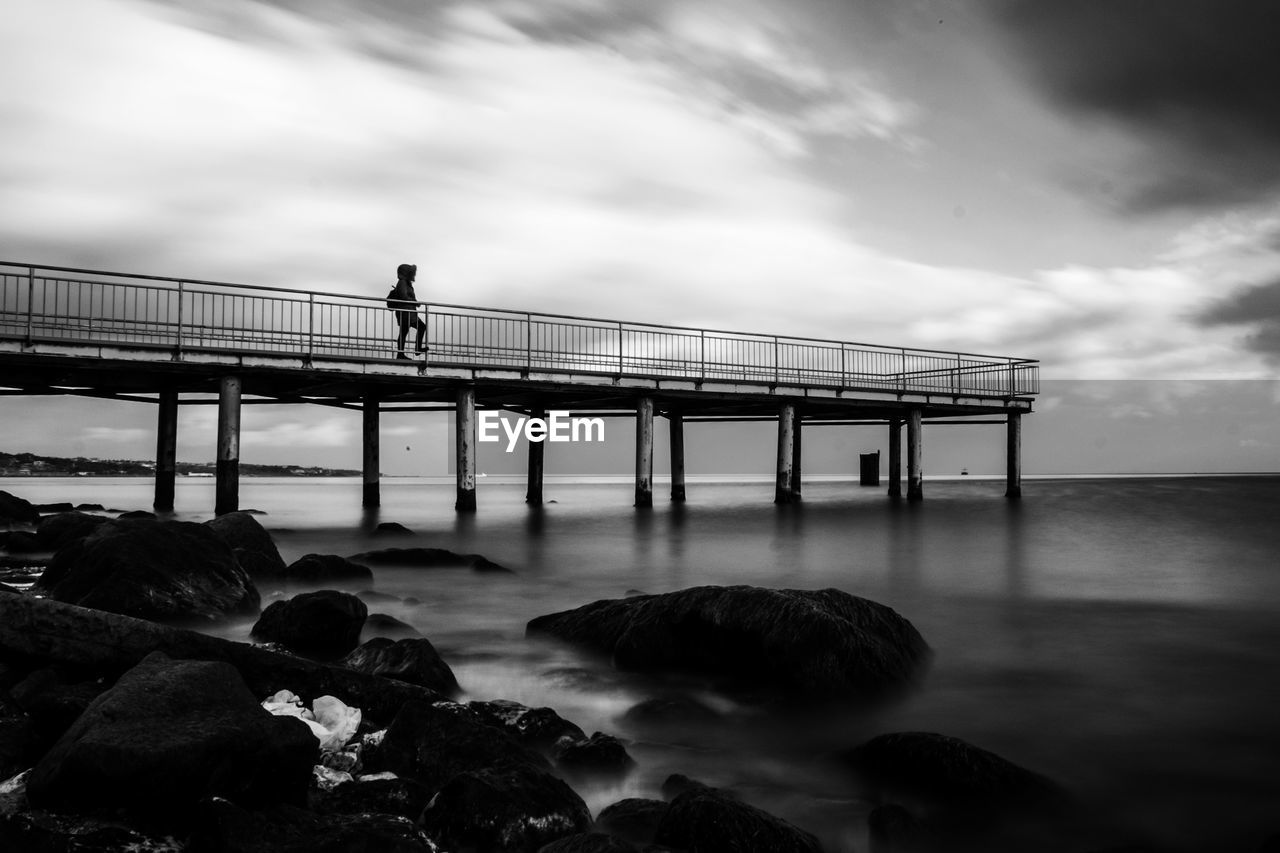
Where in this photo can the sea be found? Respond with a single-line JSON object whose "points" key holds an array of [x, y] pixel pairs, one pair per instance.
{"points": [[1118, 634]]}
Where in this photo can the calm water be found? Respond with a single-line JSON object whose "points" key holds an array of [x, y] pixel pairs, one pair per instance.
{"points": [[1119, 635]]}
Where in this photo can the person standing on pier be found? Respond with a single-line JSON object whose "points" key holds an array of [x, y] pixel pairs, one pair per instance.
{"points": [[404, 302]]}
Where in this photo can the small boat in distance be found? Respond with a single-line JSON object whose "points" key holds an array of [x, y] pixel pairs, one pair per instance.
{"points": [[964, 472]]}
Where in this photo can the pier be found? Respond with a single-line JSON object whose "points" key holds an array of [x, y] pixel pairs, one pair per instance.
{"points": [[169, 342]]}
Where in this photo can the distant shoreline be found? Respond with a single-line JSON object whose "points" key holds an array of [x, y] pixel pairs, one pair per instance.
{"points": [[35, 466]]}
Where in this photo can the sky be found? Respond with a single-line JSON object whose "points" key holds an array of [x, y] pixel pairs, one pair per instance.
{"points": [[1094, 184]]}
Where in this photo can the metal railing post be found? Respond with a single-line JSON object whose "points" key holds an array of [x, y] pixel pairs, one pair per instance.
{"points": [[777, 363], [31, 300], [528, 342], [620, 368], [311, 324], [181, 316], [902, 373], [844, 374], [702, 355]]}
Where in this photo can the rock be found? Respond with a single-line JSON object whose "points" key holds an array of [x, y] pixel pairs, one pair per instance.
{"points": [[327, 570], [224, 827], [893, 829], [16, 510], [251, 543], [382, 792], [20, 742], [704, 820], [168, 734], [433, 742], [380, 625], [413, 660], [391, 528], [9, 590], [53, 701], [324, 624], [808, 642], [635, 820], [599, 757], [90, 507], [588, 842], [947, 771], [678, 783], [671, 711], [512, 808], [20, 542], [538, 729], [427, 558], [134, 514], [57, 531], [168, 571], [60, 506], [23, 828]]}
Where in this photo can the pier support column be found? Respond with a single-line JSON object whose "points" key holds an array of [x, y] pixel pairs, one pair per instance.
{"points": [[797, 477], [1013, 459], [783, 493], [644, 452], [676, 422], [915, 480], [166, 451], [465, 444], [372, 452], [537, 451], [895, 457], [227, 487]]}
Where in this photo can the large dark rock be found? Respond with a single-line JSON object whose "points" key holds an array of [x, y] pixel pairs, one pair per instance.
{"points": [[539, 729], [433, 742], [426, 558], [251, 543], [328, 570], [29, 830], [170, 571], [600, 757], [947, 771], [16, 510], [705, 820], [635, 820], [511, 809], [53, 700], [380, 625], [414, 660], [168, 734], [224, 827], [324, 624], [814, 642], [384, 793], [588, 842], [57, 531], [893, 829]]}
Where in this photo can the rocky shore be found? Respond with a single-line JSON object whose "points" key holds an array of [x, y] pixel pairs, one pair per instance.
{"points": [[123, 725]]}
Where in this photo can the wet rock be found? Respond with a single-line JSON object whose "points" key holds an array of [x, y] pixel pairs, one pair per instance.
{"points": [[60, 506], [893, 829], [588, 842], [806, 642], [9, 590], [16, 510], [251, 543], [169, 571], [391, 528], [224, 827], [538, 729], [56, 531], [90, 507], [634, 819], [670, 711], [433, 742], [599, 757], [947, 771], [380, 625], [325, 624], [413, 660], [511, 808], [20, 542], [327, 570], [136, 514], [678, 783], [53, 701], [384, 793], [168, 734], [704, 820], [426, 558], [20, 742], [23, 828]]}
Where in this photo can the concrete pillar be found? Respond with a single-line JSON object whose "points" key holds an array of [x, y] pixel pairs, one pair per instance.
{"points": [[895, 457], [676, 422], [1013, 459], [372, 452], [166, 451], [783, 493], [796, 477], [915, 453], [644, 452], [465, 444], [227, 486], [537, 451]]}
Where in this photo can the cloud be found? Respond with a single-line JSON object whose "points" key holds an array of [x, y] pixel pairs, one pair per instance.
{"points": [[114, 435], [1191, 79]]}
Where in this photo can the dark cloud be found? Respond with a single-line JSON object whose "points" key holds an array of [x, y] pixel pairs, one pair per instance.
{"points": [[1258, 307], [1193, 79]]}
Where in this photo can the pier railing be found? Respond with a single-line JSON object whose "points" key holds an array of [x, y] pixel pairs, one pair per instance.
{"points": [[175, 316]]}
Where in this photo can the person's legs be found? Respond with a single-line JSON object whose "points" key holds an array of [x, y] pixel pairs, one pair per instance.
{"points": [[403, 319], [421, 326]]}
